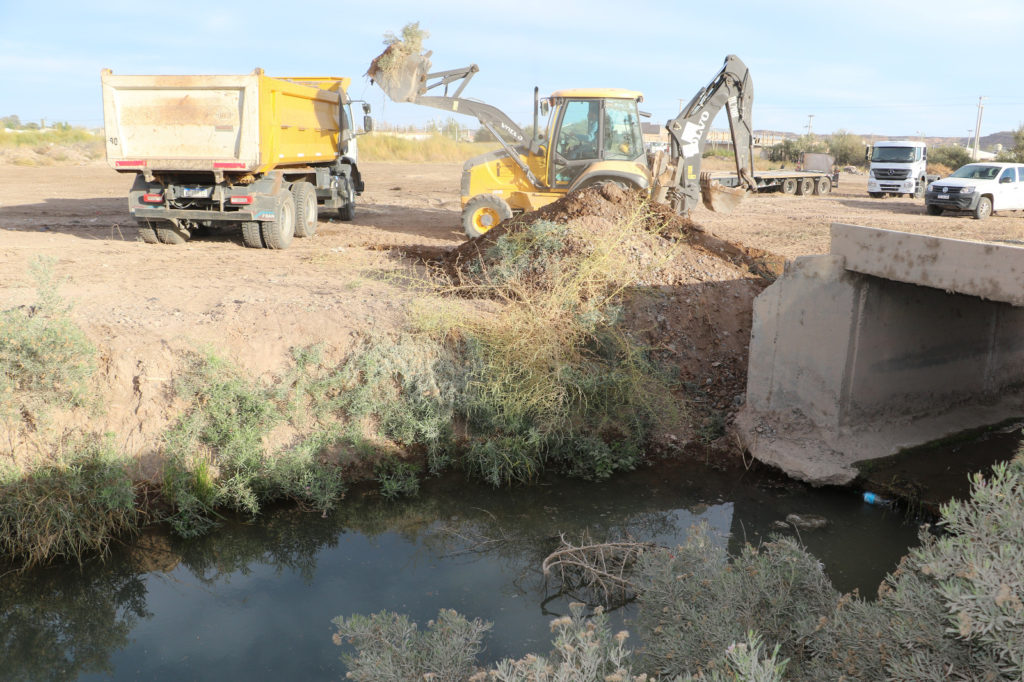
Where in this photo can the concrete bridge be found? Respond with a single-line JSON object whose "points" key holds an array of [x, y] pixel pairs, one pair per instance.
{"points": [[890, 341]]}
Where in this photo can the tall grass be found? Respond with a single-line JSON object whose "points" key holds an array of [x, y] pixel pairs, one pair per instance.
{"points": [[380, 146], [58, 137]]}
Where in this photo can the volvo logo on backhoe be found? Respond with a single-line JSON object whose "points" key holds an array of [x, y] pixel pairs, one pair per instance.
{"points": [[691, 135]]}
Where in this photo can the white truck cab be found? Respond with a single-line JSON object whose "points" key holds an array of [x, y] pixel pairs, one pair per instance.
{"points": [[980, 188], [898, 167]]}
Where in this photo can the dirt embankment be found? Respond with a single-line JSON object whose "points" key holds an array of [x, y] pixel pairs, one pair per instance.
{"points": [[144, 305]]}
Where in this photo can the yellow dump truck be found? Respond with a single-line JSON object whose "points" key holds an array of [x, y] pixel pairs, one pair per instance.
{"points": [[250, 152]]}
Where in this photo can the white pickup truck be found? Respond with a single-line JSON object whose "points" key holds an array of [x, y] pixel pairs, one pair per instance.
{"points": [[980, 188]]}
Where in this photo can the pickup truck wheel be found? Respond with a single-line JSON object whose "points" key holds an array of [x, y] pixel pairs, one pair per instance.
{"points": [[251, 235], [823, 186], [278, 234], [304, 195], [804, 186], [788, 186], [147, 233], [983, 209], [347, 212], [932, 209], [483, 212], [171, 233]]}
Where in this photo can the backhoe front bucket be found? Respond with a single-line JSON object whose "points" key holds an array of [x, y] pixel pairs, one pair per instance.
{"points": [[402, 76], [717, 197]]}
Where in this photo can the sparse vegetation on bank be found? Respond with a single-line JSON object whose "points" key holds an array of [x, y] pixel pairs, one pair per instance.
{"points": [[513, 363], [770, 613]]}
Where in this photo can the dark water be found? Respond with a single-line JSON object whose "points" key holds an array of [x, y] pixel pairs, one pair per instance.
{"points": [[255, 600]]}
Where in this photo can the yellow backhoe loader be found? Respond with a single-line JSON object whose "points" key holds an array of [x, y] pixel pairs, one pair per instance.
{"points": [[592, 136]]}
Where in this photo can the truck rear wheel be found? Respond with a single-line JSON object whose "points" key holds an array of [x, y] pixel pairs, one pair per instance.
{"points": [[169, 232], [483, 212], [788, 186], [804, 186], [304, 195], [251, 235], [347, 211], [147, 233], [823, 185], [278, 234]]}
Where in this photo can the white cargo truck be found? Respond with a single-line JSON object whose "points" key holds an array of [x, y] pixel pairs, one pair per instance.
{"points": [[898, 167]]}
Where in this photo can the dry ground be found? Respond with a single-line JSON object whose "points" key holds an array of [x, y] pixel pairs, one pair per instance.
{"points": [[144, 304]]}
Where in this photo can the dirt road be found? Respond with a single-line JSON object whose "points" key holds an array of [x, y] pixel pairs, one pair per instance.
{"points": [[143, 305]]}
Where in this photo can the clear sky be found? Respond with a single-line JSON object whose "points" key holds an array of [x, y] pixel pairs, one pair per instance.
{"points": [[869, 67]]}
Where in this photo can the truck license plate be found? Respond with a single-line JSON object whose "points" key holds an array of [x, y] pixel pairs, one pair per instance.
{"points": [[943, 196], [195, 192]]}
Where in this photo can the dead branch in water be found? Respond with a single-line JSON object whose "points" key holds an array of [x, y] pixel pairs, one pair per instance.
{"points": [[599, 573]]}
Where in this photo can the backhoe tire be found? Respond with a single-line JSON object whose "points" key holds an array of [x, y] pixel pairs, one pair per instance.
{"points": [[805, 186], [822, 185], [482, 213], [932, 209], [304, 195], [169, 232], [983, 209], [788, 186], [147, 233], [278, 234], [251, 235]]}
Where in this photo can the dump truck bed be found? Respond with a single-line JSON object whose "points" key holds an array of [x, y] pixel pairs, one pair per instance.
{"points": [[248, 123]]}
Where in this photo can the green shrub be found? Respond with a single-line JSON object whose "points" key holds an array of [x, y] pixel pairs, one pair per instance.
{"points": [[397, 478], [68, 508], [952, 156], [216, 456], [46, 361], [390, 647], [695, 602]]}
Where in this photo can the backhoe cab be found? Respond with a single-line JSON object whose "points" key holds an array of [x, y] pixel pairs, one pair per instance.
{"points": [[592, 136]]}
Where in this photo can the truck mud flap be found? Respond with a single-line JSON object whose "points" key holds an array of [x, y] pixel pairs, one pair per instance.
{"points": [[717, 197]]}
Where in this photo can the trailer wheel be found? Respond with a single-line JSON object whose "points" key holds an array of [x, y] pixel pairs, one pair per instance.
{"points": [[278, 234], [823, 186], [304, 195], [804, 186], [147, 233], [347, 211], [788, 186], [251, 235], [483, 212], [169, 232]]}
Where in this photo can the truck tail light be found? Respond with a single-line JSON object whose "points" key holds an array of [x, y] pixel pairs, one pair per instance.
{"points": [[239, 200], [153, 198], [130, 164], [228, 164]]}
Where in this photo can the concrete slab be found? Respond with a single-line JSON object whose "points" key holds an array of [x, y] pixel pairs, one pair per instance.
{"points": [[991, 271], [846, 366]]}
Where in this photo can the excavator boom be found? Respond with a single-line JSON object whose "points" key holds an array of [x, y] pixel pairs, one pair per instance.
{"points": [[678, 178]]}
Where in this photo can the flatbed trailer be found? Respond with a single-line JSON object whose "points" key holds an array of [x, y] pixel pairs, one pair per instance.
{"points": [[785, 181]]}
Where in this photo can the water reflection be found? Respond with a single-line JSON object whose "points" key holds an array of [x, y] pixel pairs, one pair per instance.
{"points": [[255, 600]]}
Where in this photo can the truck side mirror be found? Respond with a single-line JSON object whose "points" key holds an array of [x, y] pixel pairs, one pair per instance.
{"points": [[867, 153], [367, 124], [366, 108]]}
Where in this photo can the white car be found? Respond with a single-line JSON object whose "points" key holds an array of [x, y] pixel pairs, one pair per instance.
{"points": [[980, 188]]}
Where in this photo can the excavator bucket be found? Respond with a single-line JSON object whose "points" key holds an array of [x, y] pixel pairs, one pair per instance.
{"points": [[717, 197], [401, 75]]}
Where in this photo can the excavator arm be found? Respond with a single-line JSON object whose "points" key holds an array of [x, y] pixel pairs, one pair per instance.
{"points": [[678, 178], [410, 83]]}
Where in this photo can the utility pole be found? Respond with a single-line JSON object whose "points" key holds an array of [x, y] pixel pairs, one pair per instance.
{"points": [[809, 130], [977, 127]]}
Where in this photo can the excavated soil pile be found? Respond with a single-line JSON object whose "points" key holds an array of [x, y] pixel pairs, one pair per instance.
{"points": [[693, 308]]}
